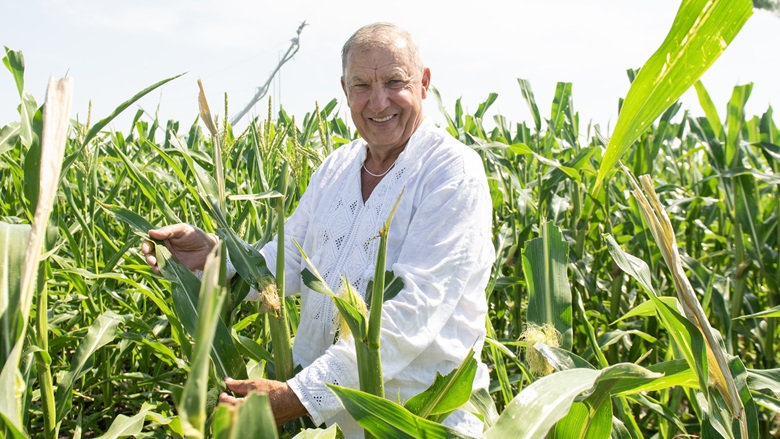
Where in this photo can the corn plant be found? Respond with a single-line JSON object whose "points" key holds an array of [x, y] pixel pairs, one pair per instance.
{"points": [[110, 345]]}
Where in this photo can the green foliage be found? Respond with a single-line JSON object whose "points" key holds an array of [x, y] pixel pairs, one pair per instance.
{"points": [[119, 342], [701, 31]]}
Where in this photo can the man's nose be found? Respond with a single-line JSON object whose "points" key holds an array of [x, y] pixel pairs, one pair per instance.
{"points": [[378, 100]]}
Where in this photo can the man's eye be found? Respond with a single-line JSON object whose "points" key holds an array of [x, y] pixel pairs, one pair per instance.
{"points": [[397, 83]]}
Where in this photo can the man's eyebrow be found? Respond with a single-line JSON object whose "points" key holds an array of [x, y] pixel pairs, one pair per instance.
{"points": [[356, 77]]}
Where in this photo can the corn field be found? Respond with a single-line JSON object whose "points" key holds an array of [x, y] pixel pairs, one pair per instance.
{"points": [[634, 294]]}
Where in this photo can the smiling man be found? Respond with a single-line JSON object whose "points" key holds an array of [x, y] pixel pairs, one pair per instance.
{"points": [[439, 242]]}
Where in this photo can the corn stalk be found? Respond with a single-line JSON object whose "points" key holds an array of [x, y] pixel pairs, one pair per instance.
{"points": [[55, 128], [280, 326], [663, 233], [255, 272]]}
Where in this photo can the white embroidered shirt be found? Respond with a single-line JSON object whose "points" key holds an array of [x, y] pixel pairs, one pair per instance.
{"points": [[439, 245]]}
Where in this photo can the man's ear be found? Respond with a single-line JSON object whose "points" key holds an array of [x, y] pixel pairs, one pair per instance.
{"points": [[426, 81], [344, 87]]}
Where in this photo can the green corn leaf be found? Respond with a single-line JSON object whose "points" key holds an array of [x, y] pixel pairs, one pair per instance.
{"points": [[559, 106], [138, 224], [100, 333], [315, 282], [647, 308], [252, 419], [750, 428], [533, 412], [523, 149], [207, 186], [544, 266], [764, 379], [630, 264], [582, 422], [597, 422], [673, 373], [686, 336], [481, 404], [268, 195], [117, 111], [69, 160], [701, 31], [246, 259], [385, 419], [192, 405], [447, 393], [393, 286], [617, 373], [772, 312], [13, 244], [156, 348], [331, 432], [124, 426], [9, 135], [28, 123], [148, 188], [735, 119], [14, 61], [356, 321], [660, 409], [452, 128], [186, 292], [11, 424], [253, 350], [500, 347], [709, 109], [528, 95]]}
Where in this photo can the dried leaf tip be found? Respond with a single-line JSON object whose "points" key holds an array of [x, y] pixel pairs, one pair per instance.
{"points": [[205, 112]]}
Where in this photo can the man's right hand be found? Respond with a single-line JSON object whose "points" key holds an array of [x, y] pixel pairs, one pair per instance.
{"points": [[188, 244]]}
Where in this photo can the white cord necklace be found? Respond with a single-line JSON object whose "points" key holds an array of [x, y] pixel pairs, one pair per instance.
{"points": [[382, 174]]}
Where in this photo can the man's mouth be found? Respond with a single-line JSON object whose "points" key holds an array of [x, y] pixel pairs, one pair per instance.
{"points": [[382, 119]]}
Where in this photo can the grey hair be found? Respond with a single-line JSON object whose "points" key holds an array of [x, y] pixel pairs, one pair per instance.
{"points": [[377, 35]]}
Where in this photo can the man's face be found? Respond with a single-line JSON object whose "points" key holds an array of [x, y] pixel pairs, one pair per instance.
{"points": [[384, 90]]}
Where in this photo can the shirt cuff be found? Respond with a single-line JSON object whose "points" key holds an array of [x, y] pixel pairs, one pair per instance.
{"points": [[307, 403], [310, 385]]}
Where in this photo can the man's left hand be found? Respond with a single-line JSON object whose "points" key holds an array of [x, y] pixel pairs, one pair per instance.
{"points": [[284, 402]]}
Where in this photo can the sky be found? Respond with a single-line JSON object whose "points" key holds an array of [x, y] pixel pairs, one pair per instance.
{"points": [[113, 49]]}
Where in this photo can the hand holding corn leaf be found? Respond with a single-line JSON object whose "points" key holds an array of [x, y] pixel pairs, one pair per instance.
{"points": [[185, 288]]}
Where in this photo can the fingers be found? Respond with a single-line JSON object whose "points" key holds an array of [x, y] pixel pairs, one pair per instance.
{"points": [[170, 231], [240, 386], [224, 397]]}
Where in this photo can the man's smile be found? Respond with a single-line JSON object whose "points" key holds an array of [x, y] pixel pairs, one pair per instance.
{"points": [[382, 119]]}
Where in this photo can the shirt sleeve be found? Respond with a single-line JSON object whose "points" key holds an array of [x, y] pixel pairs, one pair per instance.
{"points": [[446, 246]]}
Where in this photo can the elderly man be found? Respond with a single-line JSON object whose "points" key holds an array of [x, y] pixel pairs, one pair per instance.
{"points": [[439, 241]]}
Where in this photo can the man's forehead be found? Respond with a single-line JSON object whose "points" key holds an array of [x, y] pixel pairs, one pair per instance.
{"points": [[378, 60]]}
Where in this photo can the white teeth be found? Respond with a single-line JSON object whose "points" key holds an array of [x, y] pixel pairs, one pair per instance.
{"points": [[382, 119]]}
